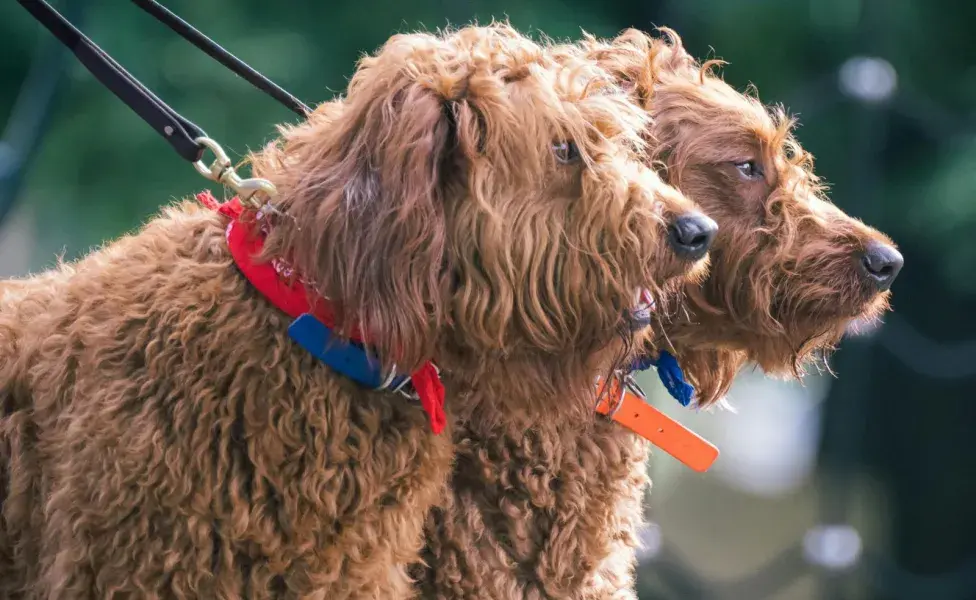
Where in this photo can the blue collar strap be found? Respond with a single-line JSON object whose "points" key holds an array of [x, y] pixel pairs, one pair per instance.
{"points": [[671, 375], [351, 360], [345, 357]]}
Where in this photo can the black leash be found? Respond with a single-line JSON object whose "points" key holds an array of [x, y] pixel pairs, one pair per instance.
{"points": [[214, 51], [181, 133]]}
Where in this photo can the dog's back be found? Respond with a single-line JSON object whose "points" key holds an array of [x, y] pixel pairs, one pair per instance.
{"points": [[160, 434]]}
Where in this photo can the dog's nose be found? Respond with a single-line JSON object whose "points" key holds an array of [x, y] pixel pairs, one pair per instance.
{"points": [[691, 235], [881, 264]]}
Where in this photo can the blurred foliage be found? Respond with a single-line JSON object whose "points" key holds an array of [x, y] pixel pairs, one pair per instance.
{"points": [[103, 171]]}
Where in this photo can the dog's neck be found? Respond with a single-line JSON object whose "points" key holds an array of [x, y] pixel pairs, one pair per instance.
{"points": [[511, 394], [524, 388]]}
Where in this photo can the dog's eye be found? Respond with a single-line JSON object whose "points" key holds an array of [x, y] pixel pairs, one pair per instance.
{"points": [[749, 170], [566, 152]]}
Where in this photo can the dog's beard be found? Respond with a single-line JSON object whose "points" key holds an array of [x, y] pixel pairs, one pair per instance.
{"points": [[863, 326]]}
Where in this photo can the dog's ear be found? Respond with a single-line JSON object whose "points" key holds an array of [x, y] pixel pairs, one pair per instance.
{"points": [[365, 181]]}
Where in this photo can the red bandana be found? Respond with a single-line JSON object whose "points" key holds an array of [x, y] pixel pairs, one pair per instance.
{"points": [[293, 298]]}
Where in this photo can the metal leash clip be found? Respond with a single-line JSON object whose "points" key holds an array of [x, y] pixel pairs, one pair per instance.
{"points": [[222, 171], [630, 383], [405, 388], [388, 381]]}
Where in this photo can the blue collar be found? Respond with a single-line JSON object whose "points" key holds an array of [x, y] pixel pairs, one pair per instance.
{"points": [[671, 375]]}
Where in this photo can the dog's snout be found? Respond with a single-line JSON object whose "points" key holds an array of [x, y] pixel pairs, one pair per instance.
{"points": [[691, 235], [881, 264]]}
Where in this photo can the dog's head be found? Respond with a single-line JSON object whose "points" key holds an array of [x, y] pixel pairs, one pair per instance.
{"points": [[789, 271], [470, 196]]}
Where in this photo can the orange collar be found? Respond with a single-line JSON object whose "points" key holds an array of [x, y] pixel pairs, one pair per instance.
{"points": [[626, 404]]}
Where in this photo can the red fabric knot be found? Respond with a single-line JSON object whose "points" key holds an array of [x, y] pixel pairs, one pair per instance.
{"points": [[207, 199], [429, 388]]}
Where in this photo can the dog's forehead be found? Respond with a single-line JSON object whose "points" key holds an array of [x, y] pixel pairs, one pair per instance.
{"points": [[665, 64], [524, 65], [579, 97], [741, 108]]}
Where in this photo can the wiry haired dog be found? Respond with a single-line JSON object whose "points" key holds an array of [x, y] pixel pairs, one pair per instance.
{"points": [[469, 201], [547, 513], [790, 272]]}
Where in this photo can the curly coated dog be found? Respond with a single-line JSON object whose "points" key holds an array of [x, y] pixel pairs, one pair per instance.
{"points": [[790, 272], [470, 201], [553, 511]]}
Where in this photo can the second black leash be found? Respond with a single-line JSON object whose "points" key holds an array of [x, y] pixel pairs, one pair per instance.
{"points": [[215, 51], [189, 140]]}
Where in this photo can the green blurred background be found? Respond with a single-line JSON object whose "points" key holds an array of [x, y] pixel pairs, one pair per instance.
{"points": [[859, 486]]}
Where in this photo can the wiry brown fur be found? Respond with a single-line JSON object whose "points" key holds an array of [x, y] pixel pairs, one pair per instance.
{"points": [[552, 511], [161, 436], [547, 510], [784, 283]]}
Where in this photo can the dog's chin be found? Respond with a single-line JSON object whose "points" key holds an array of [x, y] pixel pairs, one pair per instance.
{"points": [[862, 327], [869, 319]]}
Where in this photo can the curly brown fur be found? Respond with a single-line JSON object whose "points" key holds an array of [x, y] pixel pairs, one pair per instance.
{"points": [[538, 512], [785, 283], [161, 436], [553, 512]]}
